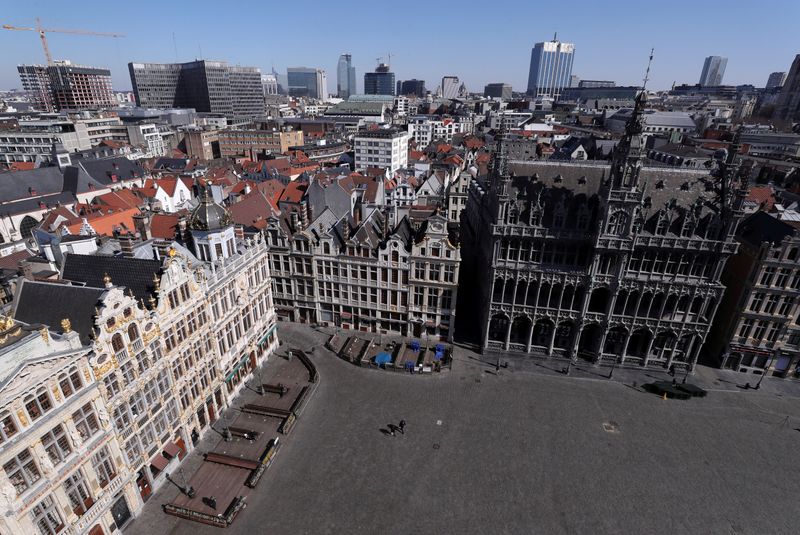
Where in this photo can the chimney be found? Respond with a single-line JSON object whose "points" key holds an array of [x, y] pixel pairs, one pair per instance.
{"points": [[346, 230], [142, 224], [126, 245], [295, 219], [238, 230], [25, 269]]}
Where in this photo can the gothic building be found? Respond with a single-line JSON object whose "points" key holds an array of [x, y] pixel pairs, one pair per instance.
{"points": [[607, 263]]}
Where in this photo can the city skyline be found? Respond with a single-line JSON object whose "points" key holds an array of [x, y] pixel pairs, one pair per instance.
{"points": [[623, 59]]}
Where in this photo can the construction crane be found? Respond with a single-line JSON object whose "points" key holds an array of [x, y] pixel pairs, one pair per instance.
{"points": [[43, 31]]}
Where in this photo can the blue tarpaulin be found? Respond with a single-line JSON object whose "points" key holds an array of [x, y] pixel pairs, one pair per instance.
{"points": [[439, 355], [383, 358], [440, 348], [414, 345]]}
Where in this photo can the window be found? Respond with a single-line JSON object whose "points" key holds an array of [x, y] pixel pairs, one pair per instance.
{"points": [[38, 404], [128, 372], [133, 332], [78, 492], [772, 304], [22, 471], [86, 421], [774, 329], [747, 326], [756, 302], [8, 427], [786, 306], [70, 383], [56, 444], [45, 516], [761, 328], [102, 464], [112, 384], [767, 275]]}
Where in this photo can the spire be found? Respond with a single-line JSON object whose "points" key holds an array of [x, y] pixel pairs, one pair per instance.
{"points": [[500, 168]]}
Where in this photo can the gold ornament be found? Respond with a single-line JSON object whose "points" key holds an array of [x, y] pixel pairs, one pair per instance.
{"points": [[66, 325]]}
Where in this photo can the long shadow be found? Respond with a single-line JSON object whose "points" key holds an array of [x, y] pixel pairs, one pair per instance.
{"points": [[386, 432], [535, 363], [591, 372]]}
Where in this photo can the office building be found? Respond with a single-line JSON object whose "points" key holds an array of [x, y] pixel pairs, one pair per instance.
{"points": [[307, 82], [550, 69], [383, 149], [776, 79], [601, 263], [206, 86], [426, 129], [788, 106], [380, 82], [412, 87], [502, 91], [596, 84], [713, 71], [345, 77], [64, 86], [254, 143], [450, 87]]}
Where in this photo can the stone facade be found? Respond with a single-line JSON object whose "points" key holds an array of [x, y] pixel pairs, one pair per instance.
{"points": [[616, 263]]}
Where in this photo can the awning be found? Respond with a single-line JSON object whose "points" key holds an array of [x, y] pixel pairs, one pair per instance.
{"points": [[159, 462], [172, 449], [266, 334], [236, 368]]}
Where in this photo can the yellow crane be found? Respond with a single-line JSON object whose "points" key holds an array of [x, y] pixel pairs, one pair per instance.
{"points": [[43, 31]]}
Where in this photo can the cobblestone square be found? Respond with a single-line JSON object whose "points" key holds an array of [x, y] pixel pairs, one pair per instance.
{"points": [[524, 451]]}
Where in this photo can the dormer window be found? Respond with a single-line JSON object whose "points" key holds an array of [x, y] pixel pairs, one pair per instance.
{"points": [[111, 322]]}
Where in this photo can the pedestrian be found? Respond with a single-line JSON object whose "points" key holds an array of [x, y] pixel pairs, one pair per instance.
{"points": [[403, 426], [671, 371], [212, 502]]}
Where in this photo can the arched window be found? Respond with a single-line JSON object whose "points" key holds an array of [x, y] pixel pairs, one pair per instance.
{"points": [[326, 248], [618, 224], [26, 226], [133, 332], [117, 343], [395, 256]]}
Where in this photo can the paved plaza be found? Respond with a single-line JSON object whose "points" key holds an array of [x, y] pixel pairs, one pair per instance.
{"points": [[527, 450]]}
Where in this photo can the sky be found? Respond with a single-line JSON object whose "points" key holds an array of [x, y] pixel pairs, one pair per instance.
{"points": [[480, 42]]}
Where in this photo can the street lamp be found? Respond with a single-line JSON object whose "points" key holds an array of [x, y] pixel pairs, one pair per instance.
{"points": [[613, 365], [771, 360]]}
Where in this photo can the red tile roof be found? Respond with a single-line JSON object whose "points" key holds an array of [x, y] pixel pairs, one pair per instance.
{"points": [[11, 261], [120, 199], [164, 226], [105, 224], [763, 195], [252, 208], [294, 192]]}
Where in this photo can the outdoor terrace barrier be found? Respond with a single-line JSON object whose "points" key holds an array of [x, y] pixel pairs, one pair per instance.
{"points": [[236, 462], [264, 461], [263, 410]]}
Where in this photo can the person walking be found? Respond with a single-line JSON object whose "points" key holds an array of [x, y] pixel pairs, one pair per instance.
{"points": [[403, 426]]}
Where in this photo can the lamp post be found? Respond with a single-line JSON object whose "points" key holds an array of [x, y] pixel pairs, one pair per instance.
{"points": [[613, 365], [769, 365]]}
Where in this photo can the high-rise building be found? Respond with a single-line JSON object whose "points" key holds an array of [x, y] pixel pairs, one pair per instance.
{"points": [[788, 106], [345, 77], [64, 86], [713, 71], [307, 82], [412, 87], [450, 86], [499, 90], [380, 82], [206, 86], [776, 79], [551, 68]]}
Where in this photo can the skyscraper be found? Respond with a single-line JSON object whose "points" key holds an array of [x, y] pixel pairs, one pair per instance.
{"points": [[551, 68], [206, 86], [345, 77], [380, 82], [449, 86], [788, 106], [307, 82], [64, 86], [713, 71], [412, 87], [776, 79]]}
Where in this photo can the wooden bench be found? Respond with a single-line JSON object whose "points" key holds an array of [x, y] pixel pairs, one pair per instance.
{"points": [[236, 462], [265, 411], [242, 432]]}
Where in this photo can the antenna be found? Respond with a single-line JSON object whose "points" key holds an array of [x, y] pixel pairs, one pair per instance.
{"points": [[555, 36], [389, 54], [647, 72]]}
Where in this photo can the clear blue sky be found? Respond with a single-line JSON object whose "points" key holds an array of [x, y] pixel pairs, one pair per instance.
{"points": [[487, 41]]}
